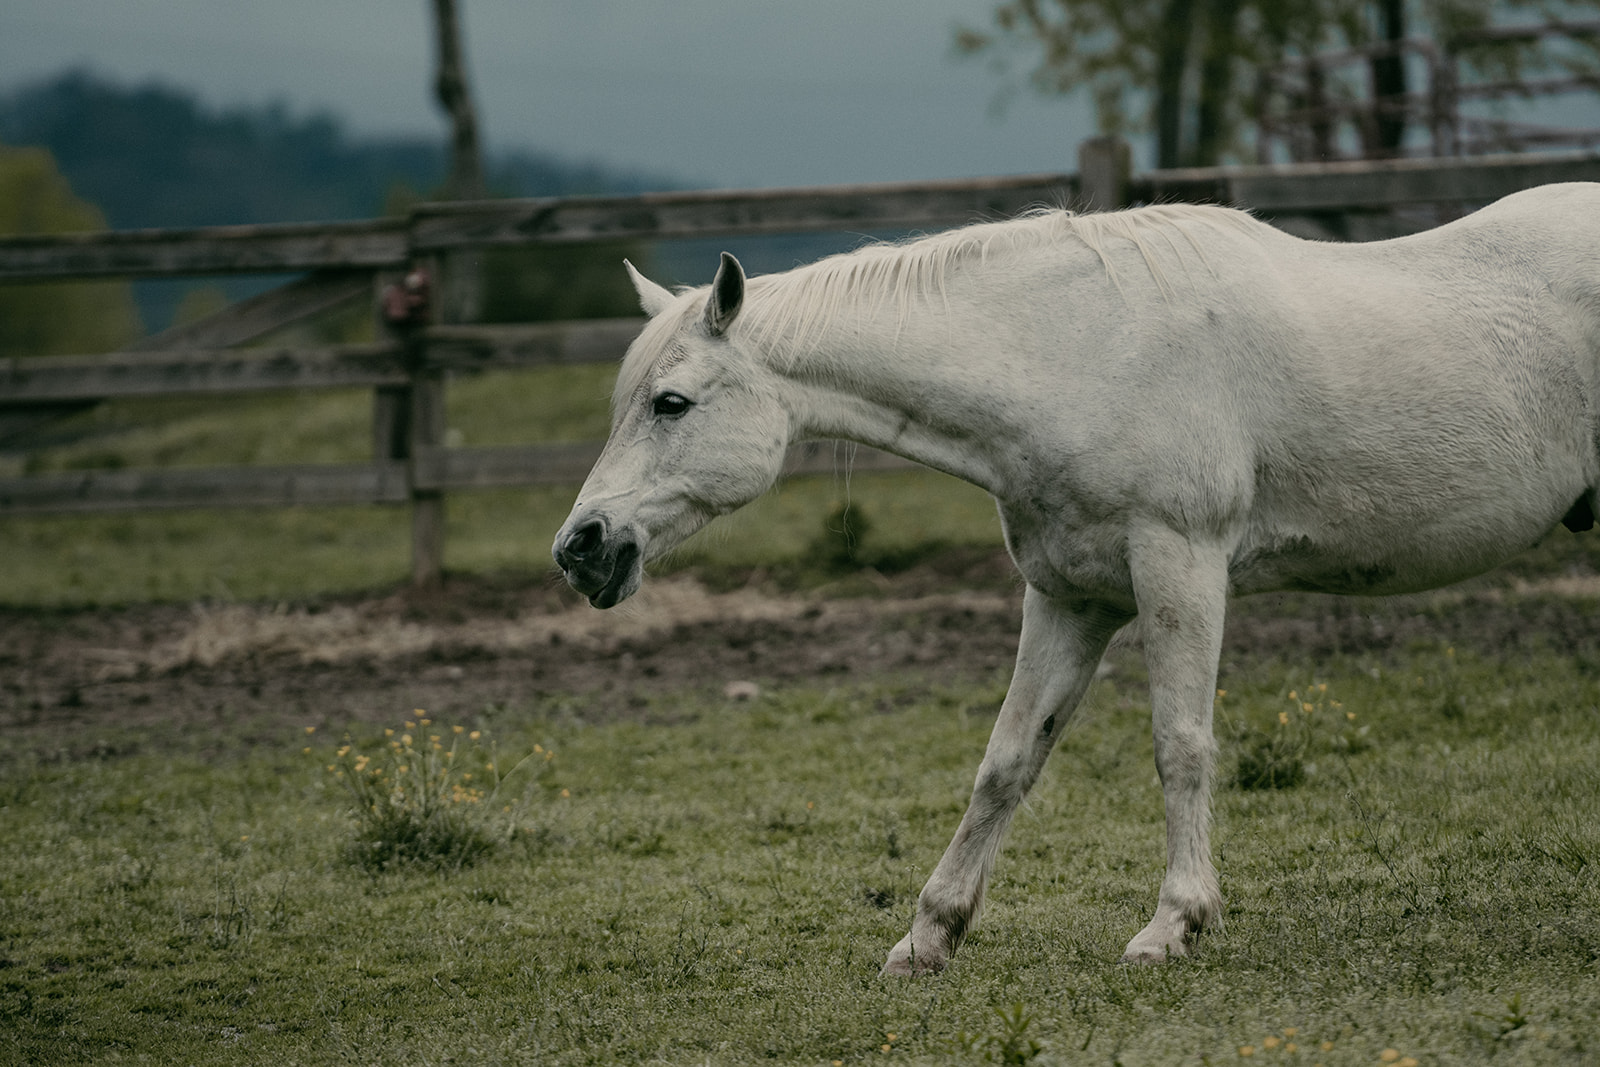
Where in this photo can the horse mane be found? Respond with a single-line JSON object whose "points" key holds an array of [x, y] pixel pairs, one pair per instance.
{"points": [[788, 312]]}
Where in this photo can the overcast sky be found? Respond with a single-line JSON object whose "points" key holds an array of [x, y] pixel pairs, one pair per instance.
{"points": [[715, 92]]}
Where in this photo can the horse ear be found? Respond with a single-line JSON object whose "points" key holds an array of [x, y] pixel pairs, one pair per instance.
{"points": [[652, 297], [727, 295]]}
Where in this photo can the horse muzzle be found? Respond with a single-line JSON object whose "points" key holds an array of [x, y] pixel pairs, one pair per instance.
{"points": [[603, 565]]}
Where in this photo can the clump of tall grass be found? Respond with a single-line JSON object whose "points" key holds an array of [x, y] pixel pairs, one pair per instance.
{"points": [[1282, 757], [427, 796]]}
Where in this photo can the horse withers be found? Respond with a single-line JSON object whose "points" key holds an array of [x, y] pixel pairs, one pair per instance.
{"points": [[1170, 405]]}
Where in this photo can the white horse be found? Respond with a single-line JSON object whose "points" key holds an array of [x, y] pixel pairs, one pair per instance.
{"points": [[1170, 405]]}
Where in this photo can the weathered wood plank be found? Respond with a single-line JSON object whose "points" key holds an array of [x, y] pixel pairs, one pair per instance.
{"points": [[388, 243], [890, 206], [458, 349], [1366, 184], [562, 463], [433, 470], [369, 244], [229, 370], [474, 348], [208, 487]]}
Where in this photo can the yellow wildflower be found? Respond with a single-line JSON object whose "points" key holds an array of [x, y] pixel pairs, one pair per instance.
{"points": [[1283, 718], [1270, 1042], [1247, 1050], [475, 735], [1389, 1055], [457, 729], [311, 729]]}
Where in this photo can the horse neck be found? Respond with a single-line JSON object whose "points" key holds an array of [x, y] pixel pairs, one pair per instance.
{"points": [[889, 377]]}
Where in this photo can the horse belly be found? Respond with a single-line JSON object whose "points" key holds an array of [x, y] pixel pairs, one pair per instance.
{"points": [[1406, 536]]}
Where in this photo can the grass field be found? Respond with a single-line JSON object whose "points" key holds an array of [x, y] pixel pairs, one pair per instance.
{"points": [[722, 889], [718, 882]]}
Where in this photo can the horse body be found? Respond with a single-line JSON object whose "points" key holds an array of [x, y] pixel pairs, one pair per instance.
{"points": [[1170, 405]]}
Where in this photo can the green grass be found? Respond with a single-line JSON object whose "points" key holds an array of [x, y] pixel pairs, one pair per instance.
{"points": [[723, 889], [297, 553]]}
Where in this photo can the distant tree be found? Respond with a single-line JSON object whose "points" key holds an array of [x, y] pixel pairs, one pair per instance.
{"points": [[1191, 63], [44, 319]]}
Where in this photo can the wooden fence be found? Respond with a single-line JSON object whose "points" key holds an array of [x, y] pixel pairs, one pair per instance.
{"points": [[408, 369]]}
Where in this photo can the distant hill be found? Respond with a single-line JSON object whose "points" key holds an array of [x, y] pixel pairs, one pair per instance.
{"points": [[154, 155]]}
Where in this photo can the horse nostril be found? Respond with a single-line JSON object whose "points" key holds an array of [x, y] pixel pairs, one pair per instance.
{"points": [[586, 540]]}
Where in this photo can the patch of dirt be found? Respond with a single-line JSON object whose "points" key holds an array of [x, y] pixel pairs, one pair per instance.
{"points": [[477, 642]]}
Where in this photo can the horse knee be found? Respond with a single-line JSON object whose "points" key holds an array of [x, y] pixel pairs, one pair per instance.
{"points": [[1001, 787], [1185, 754]]}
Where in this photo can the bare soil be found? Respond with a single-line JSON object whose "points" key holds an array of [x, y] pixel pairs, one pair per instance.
{"points": [[85, 682]]}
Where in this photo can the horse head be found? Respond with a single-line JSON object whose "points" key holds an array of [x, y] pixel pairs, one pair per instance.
{"points": [[697, 430]]}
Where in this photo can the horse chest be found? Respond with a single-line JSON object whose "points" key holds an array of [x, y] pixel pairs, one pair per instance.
{"points": [[1067, 555]]}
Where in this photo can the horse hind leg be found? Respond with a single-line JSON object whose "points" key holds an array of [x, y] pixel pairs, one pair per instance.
{"points": [[1056, 659]]}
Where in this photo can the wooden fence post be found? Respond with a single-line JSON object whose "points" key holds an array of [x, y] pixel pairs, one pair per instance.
{"points": [[1105, 165], [425, 430], [427, 505], [408, 420]]}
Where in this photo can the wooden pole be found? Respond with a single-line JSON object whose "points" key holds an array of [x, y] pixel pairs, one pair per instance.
{"points": [[1104, 168], [450, 86]]}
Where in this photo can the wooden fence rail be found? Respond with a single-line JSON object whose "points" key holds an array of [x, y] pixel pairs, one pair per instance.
{"points": [[407, 370]]}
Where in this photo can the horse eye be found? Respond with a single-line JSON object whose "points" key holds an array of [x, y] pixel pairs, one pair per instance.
{"points": [[671, 405]]}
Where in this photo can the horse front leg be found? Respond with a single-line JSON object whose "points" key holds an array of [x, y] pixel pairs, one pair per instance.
{"points": [[1056, 659], [1181, 590]]}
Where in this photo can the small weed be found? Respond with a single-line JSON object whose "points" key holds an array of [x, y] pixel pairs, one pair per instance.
{"points": [[1283, 757], [1504, 1025], [1568, 851], [1012, 1045], [421, 802], [1272, 761], [838, 546]]}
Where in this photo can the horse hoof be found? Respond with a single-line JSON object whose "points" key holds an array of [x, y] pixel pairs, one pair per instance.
{"points": [[1144, 950], [903, 963]]}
